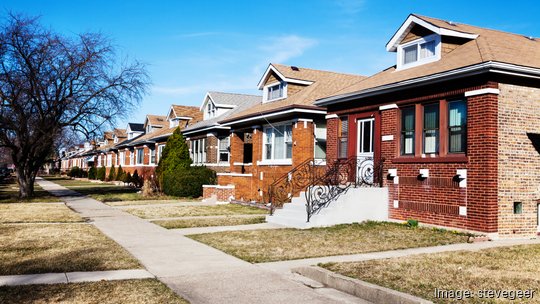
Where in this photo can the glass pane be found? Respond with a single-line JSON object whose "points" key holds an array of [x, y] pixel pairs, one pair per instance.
{"points": [[431, 116], [427, 49], [343, 147], [410, 54], [366, 137], [407, 119], [457, 112], [430, 141], [268, 149], [344, 126], [279, 142], [408, 142]]}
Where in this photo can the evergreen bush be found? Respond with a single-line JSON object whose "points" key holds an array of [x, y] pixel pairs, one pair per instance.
{"points": [[112, 174], [120, 174], [92, 173], [188, 182], [101, 172]]}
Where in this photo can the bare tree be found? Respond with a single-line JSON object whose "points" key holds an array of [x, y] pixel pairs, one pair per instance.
{"points": [[51, 82]]}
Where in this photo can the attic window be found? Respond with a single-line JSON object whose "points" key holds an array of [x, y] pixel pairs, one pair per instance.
{"points": [[419, 51], [276, 91], [210, 110]]}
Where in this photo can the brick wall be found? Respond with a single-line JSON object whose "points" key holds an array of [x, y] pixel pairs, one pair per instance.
{"points": [[222, 193], [519, 160]]}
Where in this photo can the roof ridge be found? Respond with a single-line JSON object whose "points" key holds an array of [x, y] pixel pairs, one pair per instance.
{"points": [[466, 24], [324, 71], [244, 94]]}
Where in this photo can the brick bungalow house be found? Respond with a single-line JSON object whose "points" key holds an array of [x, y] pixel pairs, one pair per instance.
{"points": [[208, 140], [455, 124], [142, 151], [279, 132]]}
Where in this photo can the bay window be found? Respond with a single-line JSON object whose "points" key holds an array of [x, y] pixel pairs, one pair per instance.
{"points": [[140, 156], [407, 131], [277, 142], [198, 151], [224, 150], [122, 157], [457, 126], [431, 128]]}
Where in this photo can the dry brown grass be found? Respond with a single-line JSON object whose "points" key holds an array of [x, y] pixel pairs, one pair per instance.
{"points": [[148, 291], [258, 246], [9, 193], [179, 211], [506, 268], [151, 202], [209, 222], [41, 248], [37, 213]]}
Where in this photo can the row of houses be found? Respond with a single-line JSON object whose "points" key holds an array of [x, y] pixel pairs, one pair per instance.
{"points": [[450, 133]]}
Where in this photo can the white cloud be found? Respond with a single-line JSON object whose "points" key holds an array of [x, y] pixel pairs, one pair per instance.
{"points": [[350, 6], [283, 48]]}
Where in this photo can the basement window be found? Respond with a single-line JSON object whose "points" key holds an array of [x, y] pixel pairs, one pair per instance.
{"points": [[518, 207]]}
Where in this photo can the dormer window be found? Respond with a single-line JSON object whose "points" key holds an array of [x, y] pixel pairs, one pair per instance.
{"points": [[420, 51], [275, 91], [210, 110]]}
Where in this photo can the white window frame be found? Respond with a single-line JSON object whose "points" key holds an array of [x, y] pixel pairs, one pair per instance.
{"points": [[109, 159], [220, 151], [273, 159], [198, 151], [137, 160], [419, 61], [266, 91], [122, 155], [319, 160], [160, 152], [152, 151]]}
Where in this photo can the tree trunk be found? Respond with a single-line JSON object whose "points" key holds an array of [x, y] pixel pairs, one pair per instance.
{"points": [[26, 180]]}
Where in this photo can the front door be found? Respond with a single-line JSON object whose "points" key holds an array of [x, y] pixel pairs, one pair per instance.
{"points": [[364, 150]]}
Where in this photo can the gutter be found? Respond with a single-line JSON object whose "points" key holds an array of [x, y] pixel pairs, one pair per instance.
{"points": [[486, 67], [292, 109]]}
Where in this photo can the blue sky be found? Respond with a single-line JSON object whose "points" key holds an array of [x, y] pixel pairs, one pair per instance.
{"points": [[192, 47]]}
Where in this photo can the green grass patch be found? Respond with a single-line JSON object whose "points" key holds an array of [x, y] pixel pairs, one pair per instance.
{"points": [[258, 246], [210, 222], [148, 291], [504, 268], [149, 212]]}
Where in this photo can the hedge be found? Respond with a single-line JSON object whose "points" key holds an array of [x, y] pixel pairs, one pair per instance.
{"points": [[187, 182]]}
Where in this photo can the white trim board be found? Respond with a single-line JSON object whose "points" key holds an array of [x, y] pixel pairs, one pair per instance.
{"points": [[270, 69]]}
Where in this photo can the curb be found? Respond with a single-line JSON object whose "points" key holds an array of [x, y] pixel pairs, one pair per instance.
{"points": [[361, 289]]}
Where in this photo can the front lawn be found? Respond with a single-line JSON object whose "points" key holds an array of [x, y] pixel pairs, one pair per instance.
{"points": [[149, 291], [209, 222], [149, 212], [147, 201], [258, 246], [9, 193], [37, 213], [42, 248], [505, 268]]}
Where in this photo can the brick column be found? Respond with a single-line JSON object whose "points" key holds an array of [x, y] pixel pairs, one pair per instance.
{"points": [[482, 151], [303, 141], [237, 149], [332, 123], [211, 148]]}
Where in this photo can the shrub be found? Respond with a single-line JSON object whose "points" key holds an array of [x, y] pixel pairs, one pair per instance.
{"points": [[127, 178], [120, 174], [412, 223], [175, 156], [76, 172], [101, 172], [136, 180], [92, 173], [112, 174], [188, 182], [149, 187]]}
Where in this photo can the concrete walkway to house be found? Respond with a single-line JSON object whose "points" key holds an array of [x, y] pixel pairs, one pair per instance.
{"points": [[197, 272], [285, 267], [74, 277]]}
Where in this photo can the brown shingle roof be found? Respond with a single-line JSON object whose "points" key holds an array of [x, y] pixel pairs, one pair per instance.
{"points": [[120, 133], [324, 84], [107, 135], [188, 111], [490, 45], [157, 120]]}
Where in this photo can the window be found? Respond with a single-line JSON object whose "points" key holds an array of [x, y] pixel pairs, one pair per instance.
{"points": [[320, 140], [122, 158], [277, 142], [99, 161], [198, 151], [224, 149], [457, 126], [140, 156], [210, 109], [132, 157], [407, 131], [160, 151], [431, 128], [276, 91], [109, 160], [423, 50], [152, 155], [343, 136]]}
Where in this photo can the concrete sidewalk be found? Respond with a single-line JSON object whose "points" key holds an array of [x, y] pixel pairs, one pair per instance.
{"points": [[197, 272], [74, 277]]}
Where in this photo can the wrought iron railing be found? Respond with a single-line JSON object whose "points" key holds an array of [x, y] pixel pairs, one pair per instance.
{"points": [[323, 184], [283, 189], [340, 176]]}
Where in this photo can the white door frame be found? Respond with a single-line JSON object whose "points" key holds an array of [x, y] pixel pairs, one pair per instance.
{"points": [[362, 166], [359, 136]]}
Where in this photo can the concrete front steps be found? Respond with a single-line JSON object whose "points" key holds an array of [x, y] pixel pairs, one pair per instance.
{"points": [[357, 205]]}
